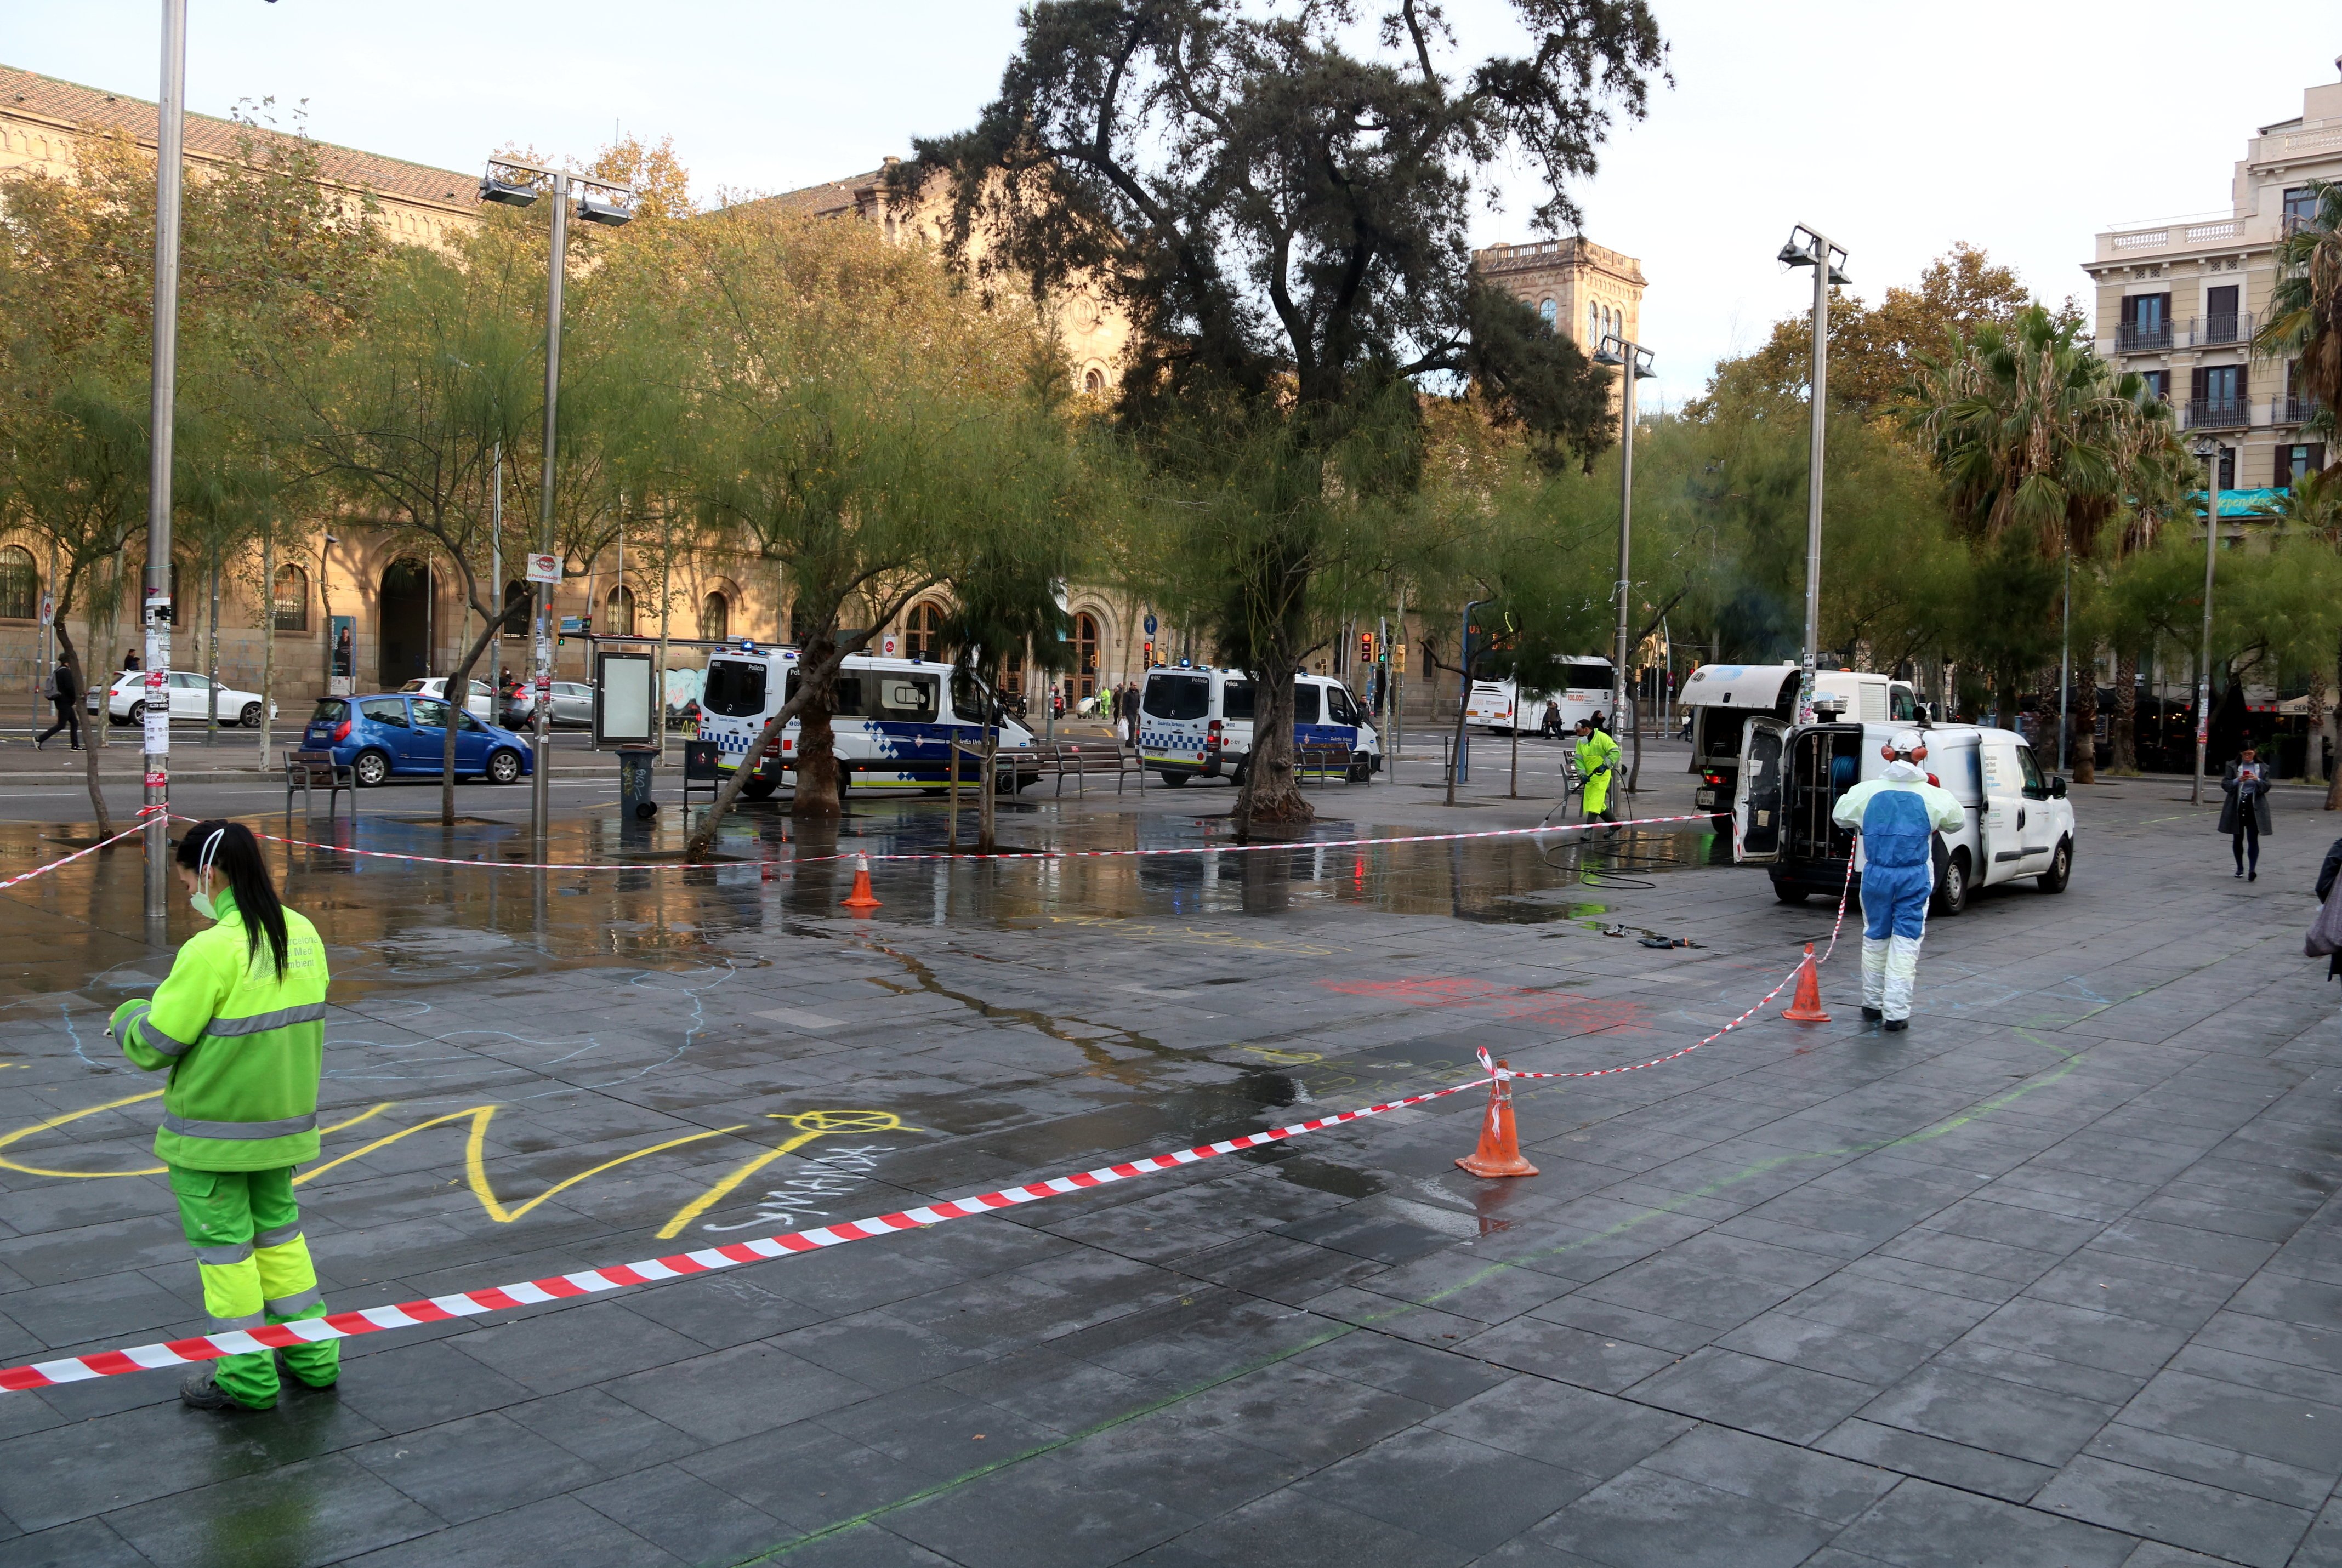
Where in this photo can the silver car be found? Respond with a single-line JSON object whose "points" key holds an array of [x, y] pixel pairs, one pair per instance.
{"points": [[573, 706]]}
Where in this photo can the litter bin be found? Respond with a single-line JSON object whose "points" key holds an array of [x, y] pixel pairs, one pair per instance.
{"points": [[635, 802]]}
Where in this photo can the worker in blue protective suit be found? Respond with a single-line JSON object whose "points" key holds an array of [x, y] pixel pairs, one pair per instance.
{"points": [[1897, 815]]}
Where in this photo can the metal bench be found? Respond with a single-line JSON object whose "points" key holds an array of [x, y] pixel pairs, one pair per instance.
{"points": [[1080, 763], [309, 772], [700, 772]]}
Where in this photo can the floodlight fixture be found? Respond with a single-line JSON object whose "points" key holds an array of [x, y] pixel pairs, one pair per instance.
{"points": [[607, 205]]}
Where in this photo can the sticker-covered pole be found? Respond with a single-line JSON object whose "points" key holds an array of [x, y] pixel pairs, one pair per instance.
{"points": [[156, 604]]}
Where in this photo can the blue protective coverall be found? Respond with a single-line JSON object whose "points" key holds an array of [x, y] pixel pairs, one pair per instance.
{"points": [[1897, 815]]}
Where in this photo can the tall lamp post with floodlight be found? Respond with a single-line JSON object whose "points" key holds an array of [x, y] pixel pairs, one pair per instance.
{"points": [[518, 185], [2210, 451], [1633, 362], [170, 131], [1811, 248]]}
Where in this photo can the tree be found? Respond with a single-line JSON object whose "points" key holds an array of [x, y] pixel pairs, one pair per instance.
{"points": [[1278, 200], [2305, 315], [2038, 438]]}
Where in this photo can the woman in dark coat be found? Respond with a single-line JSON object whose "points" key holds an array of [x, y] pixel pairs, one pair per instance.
{"points": [[2245, 813]]}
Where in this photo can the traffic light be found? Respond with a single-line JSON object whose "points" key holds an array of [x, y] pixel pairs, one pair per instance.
{"points": [[1148, 657], [1365, 647]]}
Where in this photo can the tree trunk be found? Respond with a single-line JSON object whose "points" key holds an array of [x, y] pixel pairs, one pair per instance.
{"points": [[702, 837], [211, 667], [2085, 706], [987, 817], [459, 693], [817, 793], [267, 644], [89, 752], [2125, 725], [1271, 791]]}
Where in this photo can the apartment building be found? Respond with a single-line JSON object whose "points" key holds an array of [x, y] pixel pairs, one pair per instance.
{"points": [[2178, 301]]}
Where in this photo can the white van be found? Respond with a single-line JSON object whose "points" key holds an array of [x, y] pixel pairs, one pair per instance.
{"points": [[893, 722], [1583, 691], [1198, 722], [2019, 822], [1719, 696]]}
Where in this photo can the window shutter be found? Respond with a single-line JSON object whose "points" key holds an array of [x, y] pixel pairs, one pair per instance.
{"points": [[2241, 390], [2130, 310], [2221, 300], [2196, 379]]}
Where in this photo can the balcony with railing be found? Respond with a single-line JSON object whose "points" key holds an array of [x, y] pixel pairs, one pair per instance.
{"points": [[2142, 336], [2214, 331], [2299, 410], [2218, 414]]}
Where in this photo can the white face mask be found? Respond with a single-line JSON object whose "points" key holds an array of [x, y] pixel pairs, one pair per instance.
{"points": [[200, 901]]}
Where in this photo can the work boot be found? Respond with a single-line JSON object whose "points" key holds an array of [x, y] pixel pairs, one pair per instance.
{"points": [[1872, 1015], [1895, 1025], [200, 1392]]}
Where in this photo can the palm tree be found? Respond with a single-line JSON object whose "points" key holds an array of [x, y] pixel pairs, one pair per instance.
{"points": [[2305, 315], [2034, 434]]}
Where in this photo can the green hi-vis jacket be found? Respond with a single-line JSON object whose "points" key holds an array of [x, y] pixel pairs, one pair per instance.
{"points": [[245, 1048]]}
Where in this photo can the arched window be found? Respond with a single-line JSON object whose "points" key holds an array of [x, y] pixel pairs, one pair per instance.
{"points": [[517, 610], [621, 621], [1545, 310], [922, 630], [20, 585], [1092, 382], [716, 612], [1593, 323], [291, 600], [1086, 645]]}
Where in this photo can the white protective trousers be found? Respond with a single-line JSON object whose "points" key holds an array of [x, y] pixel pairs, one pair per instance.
{"points": [[1890, 967]]}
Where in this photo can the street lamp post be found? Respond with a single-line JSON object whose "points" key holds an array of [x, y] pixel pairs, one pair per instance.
{"points": [[1633, 362], [2210, 451], [614, 207], [1811, 248], [169, 150]]}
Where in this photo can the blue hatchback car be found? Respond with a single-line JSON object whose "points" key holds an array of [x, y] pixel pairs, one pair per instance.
{"points": [[392, 733]]}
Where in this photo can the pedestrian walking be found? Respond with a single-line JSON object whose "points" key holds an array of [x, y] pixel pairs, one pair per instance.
{"points": [[1897, 815], [2245, 813], [129, 660], [2326, 932], [1598, 758], [240, 1025], [1552, 725], [64, 700]]}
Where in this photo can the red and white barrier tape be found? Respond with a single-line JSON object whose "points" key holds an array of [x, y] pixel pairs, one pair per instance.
{"points": [[587, 1281], [1010, 855], [43, 870]]}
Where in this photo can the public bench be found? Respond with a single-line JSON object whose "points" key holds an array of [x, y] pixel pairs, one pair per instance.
{"points": [[309, 772]]}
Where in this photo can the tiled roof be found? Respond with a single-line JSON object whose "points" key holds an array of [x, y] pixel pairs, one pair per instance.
{"points": [[69, 103], [823, 200]]}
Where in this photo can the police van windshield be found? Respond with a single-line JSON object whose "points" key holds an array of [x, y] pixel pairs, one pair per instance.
{"points": [[735, 688], [1177, 696]]}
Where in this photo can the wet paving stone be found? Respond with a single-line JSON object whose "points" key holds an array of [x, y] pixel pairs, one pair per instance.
{"points": [[2054, 1278]]}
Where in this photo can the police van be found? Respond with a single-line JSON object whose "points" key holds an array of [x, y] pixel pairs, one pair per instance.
{"points": [[1197, 722], [2018, 824], [893, 721], [1718, 698], [1583, 691]]}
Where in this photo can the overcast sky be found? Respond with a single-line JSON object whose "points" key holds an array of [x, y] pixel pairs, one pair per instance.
{"points": [[2020, 125]]}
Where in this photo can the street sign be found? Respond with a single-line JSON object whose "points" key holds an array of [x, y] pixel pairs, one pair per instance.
{"points": [[1150, 626], [48, 611], [545, 568], [887, 647], [572, 625]]}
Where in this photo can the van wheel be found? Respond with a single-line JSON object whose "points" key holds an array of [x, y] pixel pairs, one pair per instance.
{"points": [[1362, 770], [2061, 869], [1788, 895], [1172, 777], [1952, 885], [759, 789]]}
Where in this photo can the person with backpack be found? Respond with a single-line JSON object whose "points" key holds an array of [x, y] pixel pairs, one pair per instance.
{"points": [[65, 699], [239, 1024]]}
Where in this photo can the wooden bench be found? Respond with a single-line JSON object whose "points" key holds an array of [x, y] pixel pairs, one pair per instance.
{"points": [[1324, 761], [1081, 764], [309, 772]]}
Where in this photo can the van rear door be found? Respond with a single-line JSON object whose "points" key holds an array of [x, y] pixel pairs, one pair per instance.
{"points": [[1757, 796]]}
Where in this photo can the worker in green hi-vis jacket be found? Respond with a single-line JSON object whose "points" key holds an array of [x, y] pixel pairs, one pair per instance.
{"points": [[1597, 764], [240, 1024]]}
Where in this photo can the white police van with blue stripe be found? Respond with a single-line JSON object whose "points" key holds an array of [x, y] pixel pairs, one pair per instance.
{"points": [[893, 721], [1196, 723]]}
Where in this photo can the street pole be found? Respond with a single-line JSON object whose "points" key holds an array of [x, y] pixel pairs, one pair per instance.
{"points": [[497, 586], [1626, 531], [169, 151], [1814, 485], [540, 813], [2065, 661], [2211, 456]]}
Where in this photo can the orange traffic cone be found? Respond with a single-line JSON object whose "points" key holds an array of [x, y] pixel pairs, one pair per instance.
{"points": [[1499, 1153], [861, 897], [1806, 1007]]}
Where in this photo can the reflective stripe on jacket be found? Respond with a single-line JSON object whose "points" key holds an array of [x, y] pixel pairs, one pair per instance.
{"points": [[244, 1048]]}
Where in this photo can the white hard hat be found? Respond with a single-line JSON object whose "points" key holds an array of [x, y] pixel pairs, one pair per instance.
{"points": [[1910, 743]]}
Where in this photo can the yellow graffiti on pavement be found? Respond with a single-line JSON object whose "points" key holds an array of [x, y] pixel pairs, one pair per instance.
{"points": [[810, 1124], [1296, 1058], [48, 1123]]}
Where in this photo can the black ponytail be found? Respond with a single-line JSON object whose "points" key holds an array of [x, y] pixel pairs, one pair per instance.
{"points": [[237, 859]]}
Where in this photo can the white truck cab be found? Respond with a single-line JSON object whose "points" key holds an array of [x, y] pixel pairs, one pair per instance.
{"points": [[1789, 779], [1719, 696], [1197, 721]]}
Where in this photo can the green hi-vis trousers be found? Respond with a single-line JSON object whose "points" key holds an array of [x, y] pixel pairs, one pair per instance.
{"points": [[245, 1229]]}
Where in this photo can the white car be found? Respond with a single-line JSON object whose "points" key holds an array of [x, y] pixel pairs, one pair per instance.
{"points": [[482, 705], [125, 700]]}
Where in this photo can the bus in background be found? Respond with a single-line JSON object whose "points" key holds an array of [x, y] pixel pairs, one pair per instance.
{"points": [[1582, 691]]}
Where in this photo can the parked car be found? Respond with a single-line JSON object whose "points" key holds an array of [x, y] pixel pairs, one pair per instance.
{"points": [[482, 702], [394, 733], [573, 705], [125, 700]]}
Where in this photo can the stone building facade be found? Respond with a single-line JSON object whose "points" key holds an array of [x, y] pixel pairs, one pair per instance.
{"points": [[2178, 303], [1578, 287]]}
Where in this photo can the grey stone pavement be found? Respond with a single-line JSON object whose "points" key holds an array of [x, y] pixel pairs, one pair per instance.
{"points": [[2052, 1279]]}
